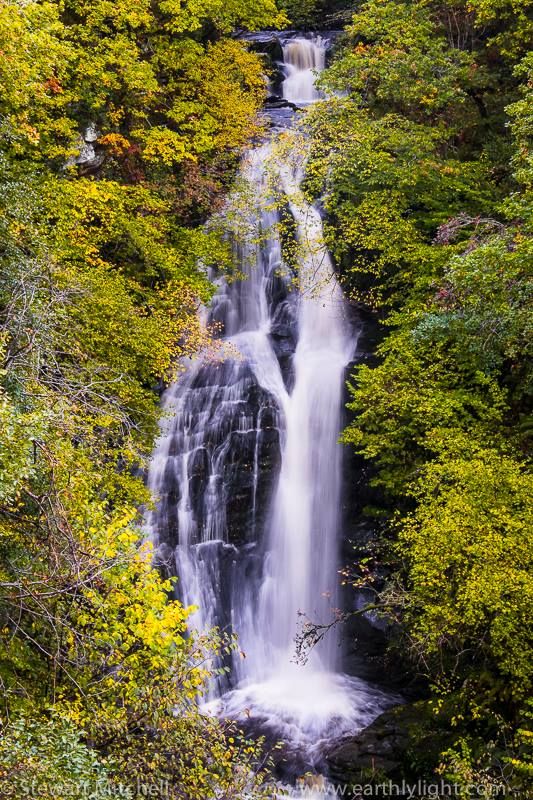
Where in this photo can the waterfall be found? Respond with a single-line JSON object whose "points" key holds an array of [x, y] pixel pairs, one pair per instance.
{"points": [[302, 562], [247, 470], [303, 58]]}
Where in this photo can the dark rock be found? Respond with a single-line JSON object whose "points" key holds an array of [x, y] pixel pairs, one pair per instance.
{"points": [[382, 750], [198, 470], [164, 560], [266, 42], [274, 102], [377, 750], [328, 36], [282, 346]]}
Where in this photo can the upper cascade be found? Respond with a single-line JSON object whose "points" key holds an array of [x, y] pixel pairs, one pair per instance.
{"points": [[303, 60]]}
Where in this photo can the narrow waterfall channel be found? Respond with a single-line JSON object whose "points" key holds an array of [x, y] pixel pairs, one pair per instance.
{"points": [[247, 471]]}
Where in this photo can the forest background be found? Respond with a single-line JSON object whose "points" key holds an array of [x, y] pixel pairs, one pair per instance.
{"points": [[121, 128]]}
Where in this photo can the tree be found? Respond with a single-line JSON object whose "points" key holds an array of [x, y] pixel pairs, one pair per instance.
{"points": [[120, 127], [421, 157]]}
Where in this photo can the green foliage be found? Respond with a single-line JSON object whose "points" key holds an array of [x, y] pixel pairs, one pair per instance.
{"points": [[103, 266], [317, 14], [34, 68], [401, 61], [387, 188], [147, 78], [403, 400], [469, 548], [304, 13], [47, 756], [422, 158]]}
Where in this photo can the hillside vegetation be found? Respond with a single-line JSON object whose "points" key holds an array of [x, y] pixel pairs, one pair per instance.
{"points": [[101, 241], [422, 157]]}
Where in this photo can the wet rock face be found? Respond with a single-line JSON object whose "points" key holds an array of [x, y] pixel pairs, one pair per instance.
{"points": [[378, 750], [269, 45], [250, 475], [230, 471], [382, 751], [219, 455], [266, 42]]}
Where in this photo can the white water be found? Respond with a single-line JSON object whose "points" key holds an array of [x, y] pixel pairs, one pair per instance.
{"points": [[303, 58], [222, 418]]}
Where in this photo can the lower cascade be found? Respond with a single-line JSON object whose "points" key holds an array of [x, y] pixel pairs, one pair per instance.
{"points": [[247, 471]]}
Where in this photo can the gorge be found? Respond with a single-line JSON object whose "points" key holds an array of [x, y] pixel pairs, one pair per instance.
{"points": [[265, 399]]}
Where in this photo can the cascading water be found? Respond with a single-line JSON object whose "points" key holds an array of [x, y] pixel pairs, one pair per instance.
{"points": [[303, 58], [247, 470]]}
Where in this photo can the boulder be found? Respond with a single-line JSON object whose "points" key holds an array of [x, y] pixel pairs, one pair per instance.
{"points": [[266, 42], [382, 751], [377, 750]]}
